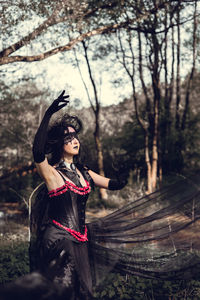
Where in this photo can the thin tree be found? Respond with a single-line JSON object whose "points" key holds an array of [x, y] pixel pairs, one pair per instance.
{"points": [[96, 109], [191, 76]]}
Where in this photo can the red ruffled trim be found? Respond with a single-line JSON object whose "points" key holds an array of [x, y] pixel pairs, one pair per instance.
{"points": [[79, 236], [69, 185]]}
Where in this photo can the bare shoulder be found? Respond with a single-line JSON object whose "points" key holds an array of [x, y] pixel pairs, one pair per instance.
{"points": [[49, 174]]}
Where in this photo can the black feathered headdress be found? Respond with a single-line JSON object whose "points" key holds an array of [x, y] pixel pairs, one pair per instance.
{"points": [[57, 133]]}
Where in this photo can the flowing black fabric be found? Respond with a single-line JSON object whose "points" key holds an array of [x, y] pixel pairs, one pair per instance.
{"points": [[156, 236]]}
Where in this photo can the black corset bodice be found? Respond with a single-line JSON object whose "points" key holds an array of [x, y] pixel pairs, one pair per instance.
{"points": [[67, 204]]}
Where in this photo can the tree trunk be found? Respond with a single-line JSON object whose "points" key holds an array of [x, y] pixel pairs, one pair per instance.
{"points": [[156, 107], [148, 110], [148, 164], [154, 171], [187, 97], [102, 192], [178, 96], [96, 110]]}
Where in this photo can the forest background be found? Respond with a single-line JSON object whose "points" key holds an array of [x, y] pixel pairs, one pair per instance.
{"points": [[132, 71]]}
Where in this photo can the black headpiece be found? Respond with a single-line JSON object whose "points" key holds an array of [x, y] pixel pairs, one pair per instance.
{"points": [[59, 133]]}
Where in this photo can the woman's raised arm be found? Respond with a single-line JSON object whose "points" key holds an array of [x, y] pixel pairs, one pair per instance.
{"points": [[45, 170]]}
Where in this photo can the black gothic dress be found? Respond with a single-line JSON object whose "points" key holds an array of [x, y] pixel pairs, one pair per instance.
{"points": [[155, 236], [61, 244]]}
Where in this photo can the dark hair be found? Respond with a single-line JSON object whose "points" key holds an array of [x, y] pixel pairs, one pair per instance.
{"points": [[56, 134]]}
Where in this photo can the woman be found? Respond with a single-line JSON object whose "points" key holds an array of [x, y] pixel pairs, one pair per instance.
{"points": [[63, 237], [153, 237]]}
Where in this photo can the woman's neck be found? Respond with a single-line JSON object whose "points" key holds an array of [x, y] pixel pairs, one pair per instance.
{"points": [[70, 164], [68, 160]]}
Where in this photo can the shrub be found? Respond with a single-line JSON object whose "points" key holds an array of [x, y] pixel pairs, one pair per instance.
{"points": [[14, 261], [137, 288]]}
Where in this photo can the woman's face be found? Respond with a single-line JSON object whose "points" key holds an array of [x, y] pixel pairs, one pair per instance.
{"points": [[71, 143]]}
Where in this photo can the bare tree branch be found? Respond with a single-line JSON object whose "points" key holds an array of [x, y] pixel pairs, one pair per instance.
{"points": [[52, 20], [84, 83], [20, 58]]}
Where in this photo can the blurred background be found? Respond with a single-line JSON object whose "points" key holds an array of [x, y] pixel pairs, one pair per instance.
{"points": [[132, 71]]}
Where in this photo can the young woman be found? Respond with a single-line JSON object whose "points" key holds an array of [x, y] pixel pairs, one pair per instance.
{"points": [[63, 247], [154, 236]]}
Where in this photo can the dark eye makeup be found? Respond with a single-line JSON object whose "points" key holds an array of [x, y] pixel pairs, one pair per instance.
{"points": [[69, 137]]}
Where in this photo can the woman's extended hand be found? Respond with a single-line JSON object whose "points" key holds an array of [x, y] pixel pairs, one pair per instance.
{"points": [[56, 105], [118, 183], [121, 180]]}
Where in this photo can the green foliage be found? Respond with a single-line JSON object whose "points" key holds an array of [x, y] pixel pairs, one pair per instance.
{"points": [[19, 117], [18, 188], [179, 148], [14, 261], [127, 150], [132, 287]]}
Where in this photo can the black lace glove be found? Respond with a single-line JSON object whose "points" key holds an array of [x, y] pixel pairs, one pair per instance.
{"points": [[41, 134], [118, 183]]}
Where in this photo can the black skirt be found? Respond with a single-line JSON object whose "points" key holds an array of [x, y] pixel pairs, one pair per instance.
{"points": [[65, 261]]}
